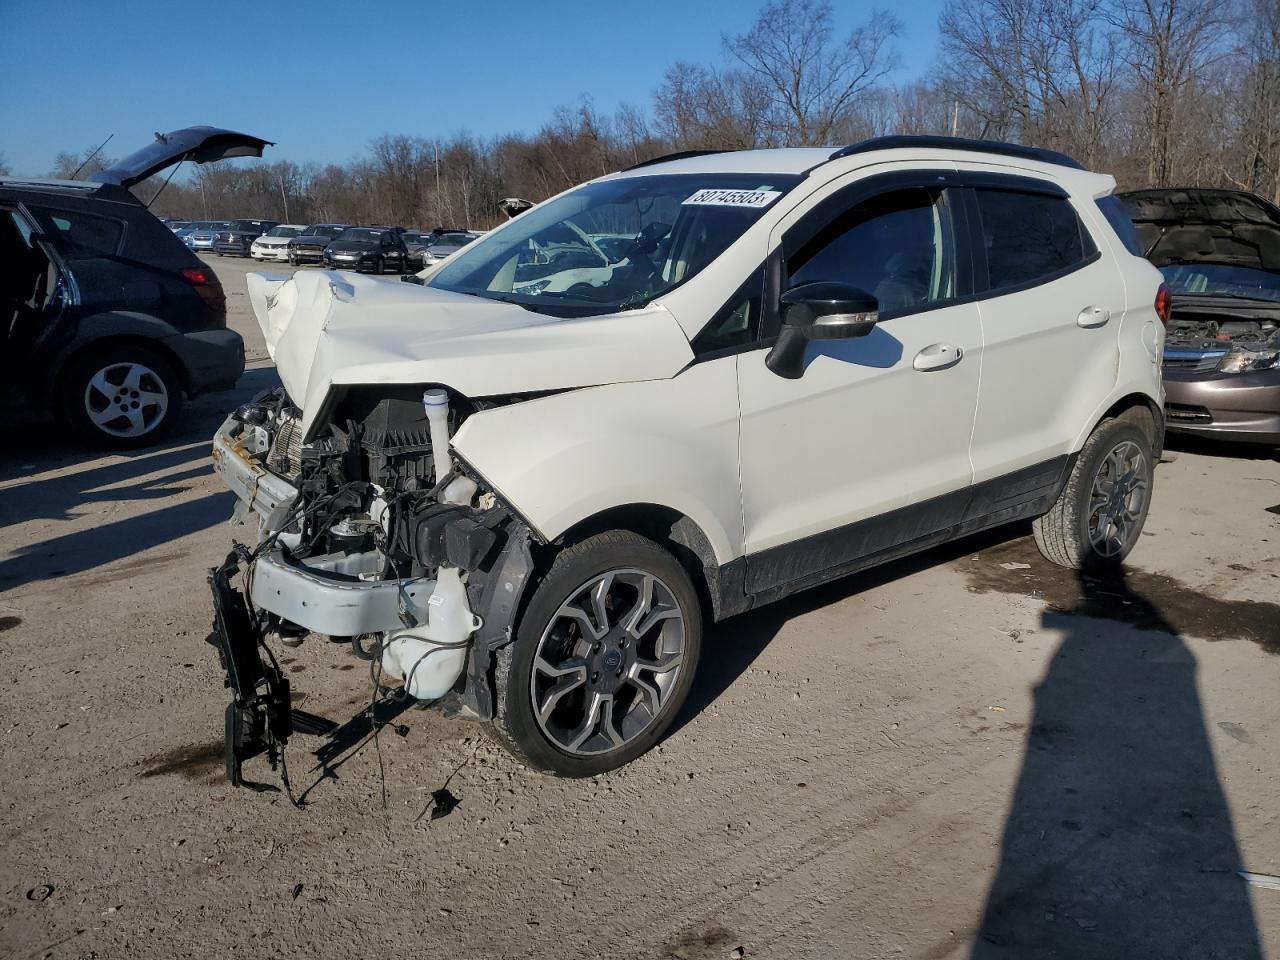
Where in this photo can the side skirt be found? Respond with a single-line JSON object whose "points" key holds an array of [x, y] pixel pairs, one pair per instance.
{"points": [[760, 578]]}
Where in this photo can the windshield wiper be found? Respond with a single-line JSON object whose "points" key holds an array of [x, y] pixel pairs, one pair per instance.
{"points": [[520, 303]]}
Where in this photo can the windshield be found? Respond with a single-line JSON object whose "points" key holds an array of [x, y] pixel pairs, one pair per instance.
{"points": [[246, 226], [1221, 280], [412, 237], [546, 260], [450, 240], [362, 235], [284, 232]]}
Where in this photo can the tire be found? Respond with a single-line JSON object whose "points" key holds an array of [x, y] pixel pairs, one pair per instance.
{"points": [[1083, 533], [96, 383], [380, 266], [595, 672]]}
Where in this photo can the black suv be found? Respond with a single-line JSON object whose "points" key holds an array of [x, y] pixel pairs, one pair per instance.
{"points": [[108, 318], [237, 240]]}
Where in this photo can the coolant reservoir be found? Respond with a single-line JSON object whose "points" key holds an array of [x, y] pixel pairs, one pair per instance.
{"points": [[430, 657]]}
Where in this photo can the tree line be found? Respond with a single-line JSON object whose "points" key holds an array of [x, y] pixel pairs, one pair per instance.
{"points": [[1156, 92]]}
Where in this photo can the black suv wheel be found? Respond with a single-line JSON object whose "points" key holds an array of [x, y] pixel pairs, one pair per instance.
{"points": [[122, 397]]}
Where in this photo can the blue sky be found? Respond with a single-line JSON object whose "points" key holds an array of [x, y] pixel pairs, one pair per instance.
{"points": [[324, 78]]}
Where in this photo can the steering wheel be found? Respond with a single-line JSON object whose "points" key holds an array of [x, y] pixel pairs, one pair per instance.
{"points": [[645, 243]]}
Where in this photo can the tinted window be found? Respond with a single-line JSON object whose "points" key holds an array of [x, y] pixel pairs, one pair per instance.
{"points": [[80, 234], [1029, 236], [897, 247], [1117, 215]]}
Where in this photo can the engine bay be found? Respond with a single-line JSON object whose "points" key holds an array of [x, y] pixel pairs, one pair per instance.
{"points": [[374, 536], [1208, 332]]}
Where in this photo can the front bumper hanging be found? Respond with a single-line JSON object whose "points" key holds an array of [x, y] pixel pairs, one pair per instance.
{"points": [[260, 718]]}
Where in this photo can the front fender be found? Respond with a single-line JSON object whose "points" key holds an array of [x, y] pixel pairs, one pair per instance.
{"points": [[565, 458]]}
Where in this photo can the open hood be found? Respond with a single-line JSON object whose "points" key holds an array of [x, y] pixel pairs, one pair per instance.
{"points": [[326, 329], [198, 144], [1210, 226]]}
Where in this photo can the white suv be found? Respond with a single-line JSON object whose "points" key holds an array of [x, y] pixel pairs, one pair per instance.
{"points": [[523, 482]]}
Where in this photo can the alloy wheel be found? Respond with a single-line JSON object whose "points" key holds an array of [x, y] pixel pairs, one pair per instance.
{"points": [[607, 662], [1118, 499], [126, 399]]}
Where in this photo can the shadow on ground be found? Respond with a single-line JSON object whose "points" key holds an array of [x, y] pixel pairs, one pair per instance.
{"points": [[51, 494], [1119, 841]]}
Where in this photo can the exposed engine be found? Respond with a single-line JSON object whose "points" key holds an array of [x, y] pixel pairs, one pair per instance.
{"points": [[1205, 342], [370, 534], [371, 484]]}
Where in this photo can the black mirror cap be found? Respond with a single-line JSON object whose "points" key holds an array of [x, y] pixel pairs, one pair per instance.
{"points": [[825, 310], [830, 310]]}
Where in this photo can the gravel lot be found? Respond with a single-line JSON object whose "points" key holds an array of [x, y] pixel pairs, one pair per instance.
{"points": [[969, 754]]}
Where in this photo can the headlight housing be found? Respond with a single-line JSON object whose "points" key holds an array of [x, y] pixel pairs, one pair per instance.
{"points": [[533, 289], [1244, 360]]}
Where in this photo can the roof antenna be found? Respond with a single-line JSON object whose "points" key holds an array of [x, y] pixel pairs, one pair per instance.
{"points": [[91, 156]]}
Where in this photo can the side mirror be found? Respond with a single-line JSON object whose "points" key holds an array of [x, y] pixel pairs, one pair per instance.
{"points": [[826, 310]]}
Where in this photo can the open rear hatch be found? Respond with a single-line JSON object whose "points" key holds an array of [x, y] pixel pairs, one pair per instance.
{"points": [[199, 144]]}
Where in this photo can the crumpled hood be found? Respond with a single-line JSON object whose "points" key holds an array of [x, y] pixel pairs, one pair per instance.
{"points": [[324, 329]]}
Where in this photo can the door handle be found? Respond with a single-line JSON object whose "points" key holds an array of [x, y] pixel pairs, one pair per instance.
{"points": [[1093, 317], [937, 356]]}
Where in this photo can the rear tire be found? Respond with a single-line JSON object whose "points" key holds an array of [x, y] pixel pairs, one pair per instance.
{"points": [[123, 397], [1099, 514], [576, 696]]}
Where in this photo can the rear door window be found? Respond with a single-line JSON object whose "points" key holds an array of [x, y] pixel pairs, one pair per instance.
{"points": [[79, 235], [1030, 238]]}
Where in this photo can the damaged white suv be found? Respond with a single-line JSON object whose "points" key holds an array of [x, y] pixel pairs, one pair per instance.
{"points": [[524, 481]]}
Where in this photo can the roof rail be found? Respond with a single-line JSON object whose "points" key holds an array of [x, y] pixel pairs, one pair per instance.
{"points": [[959, 143], [679, 155]]}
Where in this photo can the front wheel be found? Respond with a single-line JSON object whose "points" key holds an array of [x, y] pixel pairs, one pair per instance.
{"points": [[603, 658], [1099, 513]]}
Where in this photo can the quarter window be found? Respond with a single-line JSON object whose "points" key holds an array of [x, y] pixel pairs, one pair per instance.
{"points": [[897, 247], [1030, 237], [79, 235]]}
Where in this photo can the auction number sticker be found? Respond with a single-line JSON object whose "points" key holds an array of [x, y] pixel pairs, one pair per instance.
{"points": [[753, 199]]}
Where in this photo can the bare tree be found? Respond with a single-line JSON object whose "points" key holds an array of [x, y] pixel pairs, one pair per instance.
{"points": [[4, 167], [1168, 44], [87, 163], [700, 108], [1257, 117], [811, 79]]}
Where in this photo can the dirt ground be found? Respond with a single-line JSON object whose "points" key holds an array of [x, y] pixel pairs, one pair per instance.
{"points": [[970, 754]]}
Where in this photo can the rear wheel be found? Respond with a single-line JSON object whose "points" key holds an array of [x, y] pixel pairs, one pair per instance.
{"points": [[603, 658], [126, 396], [1100, 512]]}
